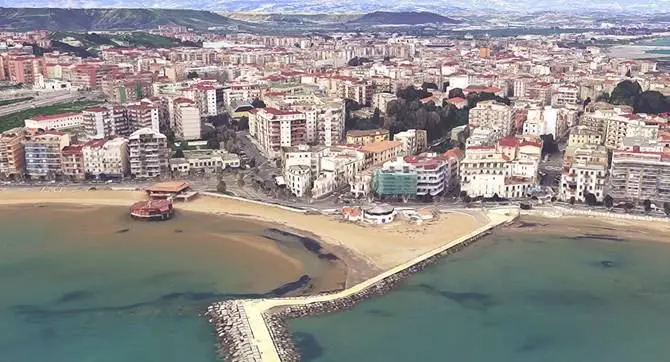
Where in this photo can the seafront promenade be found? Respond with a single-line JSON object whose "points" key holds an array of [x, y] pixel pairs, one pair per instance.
{"points": [[256, 331]]}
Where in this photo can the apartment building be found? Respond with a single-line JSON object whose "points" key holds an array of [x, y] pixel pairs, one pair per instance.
{"points": [[363, 137], [413, 141], [396, 178], [148, 153], [143, 115], [566, 94], [72, 162], [378, 153], [640, 171], [188, 125], [43, 153], [584, 172], [358, 91], [55, 121], [208, 97], [382, 100], [507, 169], [12, 159], [275, 129], [581, 135], [106, 158], [105, 122], [436, 173], [493, 115]]}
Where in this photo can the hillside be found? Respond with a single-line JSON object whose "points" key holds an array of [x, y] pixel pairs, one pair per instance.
{"points": [[106, 19], [402, 18]]}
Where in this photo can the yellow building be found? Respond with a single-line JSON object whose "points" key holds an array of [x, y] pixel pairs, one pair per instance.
{"points": [[364, 137], [377, 153]]}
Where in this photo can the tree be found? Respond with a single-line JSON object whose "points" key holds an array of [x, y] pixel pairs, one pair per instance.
{"points": [[628, 206], [625, 93], [428, 85], [628, 75], [240, 181], [252, 163], [608, 201], [651, 102], [590, 199], [192, 75], [179, 153], [221, 186], [213, 143], [456, 92], [572, 200], [603, 97], [376, 118], [257, 103], [463, 194], [666, 208], [278, 163], [647, 206], [549, 145]]}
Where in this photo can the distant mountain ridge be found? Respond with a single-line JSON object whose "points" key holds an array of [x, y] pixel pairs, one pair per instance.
{"points": [[58, 19], [360, 6], [397, 18]]}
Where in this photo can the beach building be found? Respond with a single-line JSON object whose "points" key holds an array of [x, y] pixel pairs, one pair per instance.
{"points": [[106, 158], [43, 153], [173, 190], [186, 120], [12, 158], [492, 115], [152, 210], [584, 172], [55, 121], [298, 179], [204, 161], [364, 137], [72, 162], [640, 171], [413, 141], [395, 179], [508, 168], [379, 214], [148, 153]]}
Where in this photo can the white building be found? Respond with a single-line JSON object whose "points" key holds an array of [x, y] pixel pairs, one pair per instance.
{"points": [[507, 169], [566, 94], [298, 180], [585, 171], [493, 115], [413, 141], [206, 161], [56, 121], [106, 157], [436, 173], [381, 101], [148, 153], [188, 125]]}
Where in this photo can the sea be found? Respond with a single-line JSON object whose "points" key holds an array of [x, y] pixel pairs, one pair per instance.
{"points": [[89, 284], [512, 298]]}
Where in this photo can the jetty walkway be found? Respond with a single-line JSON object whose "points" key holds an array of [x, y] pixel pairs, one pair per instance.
{"points": [[258, 333]]}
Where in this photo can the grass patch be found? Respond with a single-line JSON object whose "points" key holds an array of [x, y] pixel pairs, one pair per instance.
{"points": [[16, 119], [7, 102]]}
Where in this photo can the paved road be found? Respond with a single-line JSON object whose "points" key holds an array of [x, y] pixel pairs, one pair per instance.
{"points": [[43, 100]]}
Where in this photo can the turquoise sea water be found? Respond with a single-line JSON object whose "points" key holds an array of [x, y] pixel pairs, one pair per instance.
{"points": [[512, 299], [91, 285]]}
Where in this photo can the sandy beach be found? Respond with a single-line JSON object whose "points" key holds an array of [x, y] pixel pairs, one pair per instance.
{"points": [[365, 249], [604, 228]]}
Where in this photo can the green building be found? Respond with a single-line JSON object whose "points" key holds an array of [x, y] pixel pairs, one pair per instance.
{"points": [[395, 180]]}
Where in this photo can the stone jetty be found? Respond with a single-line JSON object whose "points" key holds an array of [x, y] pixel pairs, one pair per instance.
{"points": [[257, 330]]}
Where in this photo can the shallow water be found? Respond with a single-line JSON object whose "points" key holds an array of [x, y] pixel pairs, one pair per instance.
{"points": [[512, 299], [90, 284]]}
